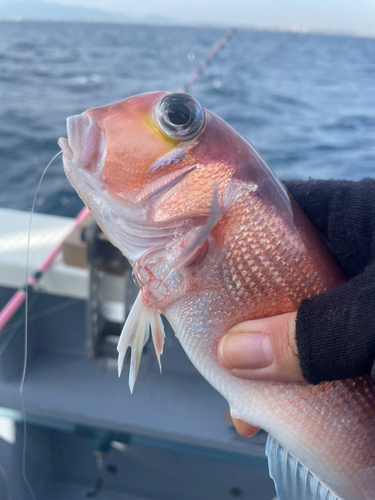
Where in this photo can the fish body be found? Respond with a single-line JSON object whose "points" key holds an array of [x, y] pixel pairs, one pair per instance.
{"points": [[215, 239]]}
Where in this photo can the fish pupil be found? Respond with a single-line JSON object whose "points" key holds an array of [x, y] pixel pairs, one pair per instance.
{"points": [[178, 114]]}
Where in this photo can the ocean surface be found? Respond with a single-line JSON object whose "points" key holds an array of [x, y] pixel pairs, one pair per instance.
{"points": [[306, 102]]}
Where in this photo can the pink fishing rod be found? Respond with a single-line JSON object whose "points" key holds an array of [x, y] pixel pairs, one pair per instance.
{"points": [[203, 64], [19, 297]]}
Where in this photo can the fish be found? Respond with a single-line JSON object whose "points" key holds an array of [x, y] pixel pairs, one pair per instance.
{"points": [[215, 239]]}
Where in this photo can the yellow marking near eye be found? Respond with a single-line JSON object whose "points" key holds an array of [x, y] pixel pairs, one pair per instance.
{"points": [[150, 124]]}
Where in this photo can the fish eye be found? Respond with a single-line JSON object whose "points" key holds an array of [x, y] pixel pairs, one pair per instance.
{"points": [[179, 116]]}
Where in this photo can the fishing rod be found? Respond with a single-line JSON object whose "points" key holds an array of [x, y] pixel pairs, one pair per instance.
{"points": [[19, 297], [203, 64]]}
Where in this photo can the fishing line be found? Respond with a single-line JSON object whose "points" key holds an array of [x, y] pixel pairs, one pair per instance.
{"points": [[4, 476], [29, 281], [9, 331], [53, 309]]}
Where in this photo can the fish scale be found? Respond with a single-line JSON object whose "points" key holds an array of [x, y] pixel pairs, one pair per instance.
{"points": [[261, 282]]}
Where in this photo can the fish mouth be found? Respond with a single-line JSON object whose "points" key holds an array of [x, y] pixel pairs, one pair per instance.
{"points": [[85, 146]]}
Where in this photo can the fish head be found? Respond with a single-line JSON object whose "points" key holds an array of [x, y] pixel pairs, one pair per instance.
{"points": [[157, 172], [153, 160]]}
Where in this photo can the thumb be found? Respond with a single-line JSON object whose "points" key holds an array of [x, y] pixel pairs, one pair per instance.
{"points": [[262, 349]]}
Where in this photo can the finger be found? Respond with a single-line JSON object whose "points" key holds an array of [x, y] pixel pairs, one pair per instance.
{"points": [[243, 428], [262, 349]]}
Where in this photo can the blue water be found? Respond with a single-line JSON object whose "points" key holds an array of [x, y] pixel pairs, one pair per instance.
{"points": [[306, 102]]}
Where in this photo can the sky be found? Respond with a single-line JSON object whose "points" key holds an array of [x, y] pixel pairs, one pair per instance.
{"points": [[350, 16], [328, 15]]}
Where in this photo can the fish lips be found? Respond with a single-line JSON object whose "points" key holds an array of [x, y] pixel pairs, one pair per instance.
{"points": [[86, 144]]}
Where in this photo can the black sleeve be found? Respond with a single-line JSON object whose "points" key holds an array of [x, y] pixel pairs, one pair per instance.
{"points": [[336, 331]]}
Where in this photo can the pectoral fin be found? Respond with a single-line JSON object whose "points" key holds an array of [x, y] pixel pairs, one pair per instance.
{"points": [[196, 246], [293, 480], [135, 334]]}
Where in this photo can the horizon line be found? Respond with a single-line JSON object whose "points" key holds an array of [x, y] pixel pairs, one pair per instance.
{"points": [[295, 29]]}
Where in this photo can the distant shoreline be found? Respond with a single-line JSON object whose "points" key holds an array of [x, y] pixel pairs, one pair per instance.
{"points": [[297, 30]]}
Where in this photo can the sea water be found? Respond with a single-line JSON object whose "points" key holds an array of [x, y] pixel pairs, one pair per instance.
{"points": [[305, 101]]}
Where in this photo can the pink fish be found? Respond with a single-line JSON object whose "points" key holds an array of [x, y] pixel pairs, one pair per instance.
{"points": [[215, 239]]}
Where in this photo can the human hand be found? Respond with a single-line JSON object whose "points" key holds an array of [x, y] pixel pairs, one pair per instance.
{"points": [[262, 349]]}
